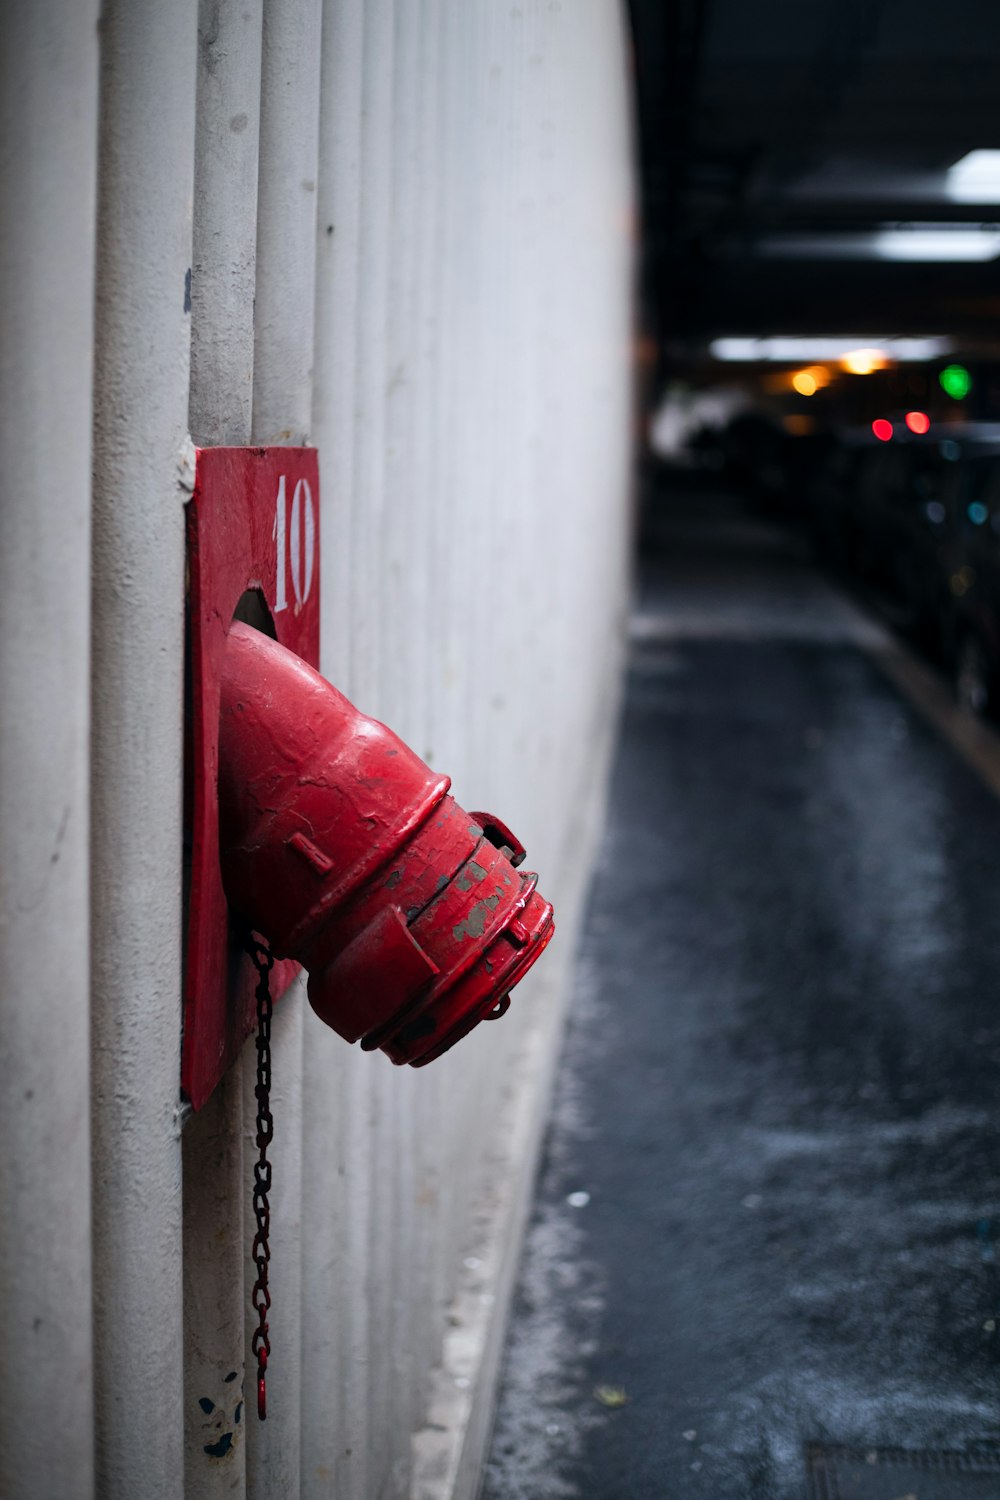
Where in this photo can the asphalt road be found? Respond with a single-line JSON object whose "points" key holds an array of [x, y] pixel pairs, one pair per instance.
{"points": [[764, 1239]]}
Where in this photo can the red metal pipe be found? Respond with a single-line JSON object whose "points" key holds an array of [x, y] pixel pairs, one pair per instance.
{"points": [[343, 849]]}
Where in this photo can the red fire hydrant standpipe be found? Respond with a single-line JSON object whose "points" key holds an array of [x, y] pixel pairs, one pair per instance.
{"points": [[316, 828], [342, 848]]}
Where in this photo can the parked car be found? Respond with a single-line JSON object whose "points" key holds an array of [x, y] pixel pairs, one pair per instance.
{"points": [[970, 622], [771, 466], [878, 512], [917, 518]]}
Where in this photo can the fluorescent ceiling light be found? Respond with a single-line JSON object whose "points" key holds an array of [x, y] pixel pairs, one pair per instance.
{"points": [[964, 242], [791, 350], [906, 242], [975, 178]]}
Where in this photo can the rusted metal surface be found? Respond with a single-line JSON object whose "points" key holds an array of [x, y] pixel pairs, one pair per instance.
{"points": [[345, 850]]}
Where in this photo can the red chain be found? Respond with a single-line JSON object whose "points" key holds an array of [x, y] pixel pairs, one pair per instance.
{"points": [[260, 1298]]}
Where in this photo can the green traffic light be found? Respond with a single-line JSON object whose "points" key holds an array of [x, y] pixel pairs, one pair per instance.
{"points": [[955, 381]]}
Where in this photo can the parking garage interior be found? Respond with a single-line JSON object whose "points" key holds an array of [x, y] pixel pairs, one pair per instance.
{"points": [[606, 384], [762, 1257]]}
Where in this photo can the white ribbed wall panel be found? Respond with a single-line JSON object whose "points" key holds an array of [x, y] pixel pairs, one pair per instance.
{"points": [[223, 284], [411, 246], [48, 109], [141, 480]]}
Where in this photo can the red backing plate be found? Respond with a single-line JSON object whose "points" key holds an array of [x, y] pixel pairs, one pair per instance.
{"points": [[252, 524]]}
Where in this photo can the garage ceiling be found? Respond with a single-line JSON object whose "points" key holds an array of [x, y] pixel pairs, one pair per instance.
{"points": [[765, 124]]}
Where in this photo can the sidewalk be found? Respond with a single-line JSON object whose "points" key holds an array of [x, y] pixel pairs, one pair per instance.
{"points": [[762, 1254]]}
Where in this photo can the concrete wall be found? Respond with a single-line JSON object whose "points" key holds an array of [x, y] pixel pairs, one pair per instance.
{"points": [[409, 232], [48, 116]]}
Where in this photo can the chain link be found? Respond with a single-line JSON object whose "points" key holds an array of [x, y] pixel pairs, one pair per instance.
{"points": [[260, 1297]]}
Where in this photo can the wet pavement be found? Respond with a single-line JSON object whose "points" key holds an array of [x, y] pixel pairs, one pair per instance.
{"points": [[762, 1259]]}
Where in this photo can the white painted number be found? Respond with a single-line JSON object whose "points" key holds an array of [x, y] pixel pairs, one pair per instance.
{"points": [[299, 546], [303, 540]]}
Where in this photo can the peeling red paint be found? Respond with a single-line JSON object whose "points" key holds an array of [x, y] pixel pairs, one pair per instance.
{"points": [[412, 923]]}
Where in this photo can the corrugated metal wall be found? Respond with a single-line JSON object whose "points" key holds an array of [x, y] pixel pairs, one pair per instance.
{"points": [[408, 231]]}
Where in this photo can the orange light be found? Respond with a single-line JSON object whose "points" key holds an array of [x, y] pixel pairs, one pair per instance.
{"points": [[810, 380], [882, 429], [917, 421], [864, 361]]}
